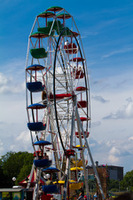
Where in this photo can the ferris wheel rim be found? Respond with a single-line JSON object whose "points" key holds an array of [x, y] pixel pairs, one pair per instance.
{"points": [[54, 95]]}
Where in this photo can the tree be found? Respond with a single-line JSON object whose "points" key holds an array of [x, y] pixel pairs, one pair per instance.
{"points": [[92, 185], [113, 185], [2, 178], [127, 182], [13, 165]]}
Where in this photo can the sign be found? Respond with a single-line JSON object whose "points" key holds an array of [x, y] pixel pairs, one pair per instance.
{"points": [[16, 196]]}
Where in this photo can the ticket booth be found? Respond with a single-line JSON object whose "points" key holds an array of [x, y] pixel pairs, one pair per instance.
{"points": [[11, 194], [16, 194]]}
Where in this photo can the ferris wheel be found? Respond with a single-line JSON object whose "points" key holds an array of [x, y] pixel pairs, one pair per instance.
{"points": [[58, 102]]}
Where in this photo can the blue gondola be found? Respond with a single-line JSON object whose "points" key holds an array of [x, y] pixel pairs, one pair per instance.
{"points": [[50, 170], [35, 86], [50, 189], [36, 126], [42, 163], [42, 143]]}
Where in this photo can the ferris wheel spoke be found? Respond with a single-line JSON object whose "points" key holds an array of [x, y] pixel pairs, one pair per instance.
{"points": [[62, 117], [57, 80], [61, 57], [63, 109], [63, 127], [65, 66], [32, 43]]}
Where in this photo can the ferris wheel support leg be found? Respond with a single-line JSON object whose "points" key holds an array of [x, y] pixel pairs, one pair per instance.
{"points": [[36, 189], [31, 174], [82, 156], [67, 174], [89, 152], [65, 190]]}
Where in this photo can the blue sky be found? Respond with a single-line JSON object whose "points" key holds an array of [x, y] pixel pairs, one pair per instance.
{"points": [[106, 28]]}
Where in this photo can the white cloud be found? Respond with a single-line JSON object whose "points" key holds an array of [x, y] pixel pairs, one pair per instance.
{"points": [[1, 146], [113, 152], [100, 99], [95, 124], [130, 138], [24, 137], [125, 112], [14, 67], [10, 86], [3, 79], [22, 142], [113, 159], [115, 52], [85, 33], [113, 83]]}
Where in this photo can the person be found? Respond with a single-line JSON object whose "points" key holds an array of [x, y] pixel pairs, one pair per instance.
{"points": [[66, 46], [74, 69], [52, 198], [80, 68], [48, 182], [81, 195], [66, 43], [95, 196], [44, 97], [40, 193], [85, 197], [46, 156]]}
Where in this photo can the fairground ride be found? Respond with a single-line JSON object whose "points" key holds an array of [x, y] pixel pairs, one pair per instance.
{"points": [[58, 105]]}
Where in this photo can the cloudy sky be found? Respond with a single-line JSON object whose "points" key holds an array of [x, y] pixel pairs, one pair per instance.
{"points": [[106, 28]]}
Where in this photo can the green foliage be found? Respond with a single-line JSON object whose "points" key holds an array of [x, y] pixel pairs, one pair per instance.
{"points": [[15, 165], [92, 185], [3, 178], [113, 185], [127, 182], [24, 172], [125, 185]]}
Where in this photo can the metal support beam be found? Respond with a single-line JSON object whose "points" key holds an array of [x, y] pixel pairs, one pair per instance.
{"points": [[82, 155], [67, 173], [89, 152]]}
